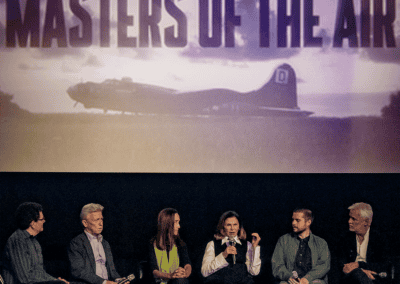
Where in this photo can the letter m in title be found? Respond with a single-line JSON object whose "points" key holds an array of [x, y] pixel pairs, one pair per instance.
{"points": [[22, 28]]}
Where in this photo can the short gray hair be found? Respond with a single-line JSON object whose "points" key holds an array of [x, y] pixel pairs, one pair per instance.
{"points": [[89, 208], [365, 209]]}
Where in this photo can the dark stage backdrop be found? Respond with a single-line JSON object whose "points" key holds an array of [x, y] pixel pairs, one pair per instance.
{"points": [[132, 202]]}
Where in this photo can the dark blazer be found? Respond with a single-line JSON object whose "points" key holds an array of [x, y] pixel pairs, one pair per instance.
{"points": [[83, 266], [377, 251]]}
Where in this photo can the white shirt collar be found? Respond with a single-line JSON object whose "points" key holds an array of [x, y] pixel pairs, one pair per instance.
{"points": [[226, 239]]}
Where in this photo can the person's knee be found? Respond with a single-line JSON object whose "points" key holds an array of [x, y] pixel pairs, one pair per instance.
{"points": [[248, 280], [358, 276], [213, 280], [318, 281], [179, 281]]}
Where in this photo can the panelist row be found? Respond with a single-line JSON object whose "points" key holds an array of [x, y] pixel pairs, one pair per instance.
{"points": [[298, 257]]}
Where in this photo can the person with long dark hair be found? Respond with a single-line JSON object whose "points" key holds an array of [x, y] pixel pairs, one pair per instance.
{"points": [[229, 258], [169, 259]]}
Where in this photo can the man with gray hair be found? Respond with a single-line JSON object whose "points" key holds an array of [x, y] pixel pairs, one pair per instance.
{"points": [[362, 252], [89, 254]]}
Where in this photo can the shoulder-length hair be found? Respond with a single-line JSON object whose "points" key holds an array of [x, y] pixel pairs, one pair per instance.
{"points": [[165, 238], [220, 234]]}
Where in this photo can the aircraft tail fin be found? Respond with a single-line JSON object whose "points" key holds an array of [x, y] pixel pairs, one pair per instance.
{"points": [[281, 89]]}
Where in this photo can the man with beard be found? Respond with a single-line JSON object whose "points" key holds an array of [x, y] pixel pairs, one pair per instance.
{"points": [[362, 251], [300, 256]]}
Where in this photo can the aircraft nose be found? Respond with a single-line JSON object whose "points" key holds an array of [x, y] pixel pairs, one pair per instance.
{"points": [[72, 92], [76, 91]]}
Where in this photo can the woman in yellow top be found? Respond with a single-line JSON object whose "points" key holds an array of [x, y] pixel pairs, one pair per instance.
{"points": [[169, 259]]}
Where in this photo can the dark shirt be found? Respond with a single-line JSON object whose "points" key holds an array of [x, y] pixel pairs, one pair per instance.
{"points": [[377, 251], [303, 258], [23, 260]]}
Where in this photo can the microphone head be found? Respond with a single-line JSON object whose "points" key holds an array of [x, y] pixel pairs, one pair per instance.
{"points": [[295, 274], [383, 274]]}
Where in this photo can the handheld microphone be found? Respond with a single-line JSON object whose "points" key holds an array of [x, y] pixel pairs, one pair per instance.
{"points": [[126, 280], [382, 275], [296, 276], [232, 243]]}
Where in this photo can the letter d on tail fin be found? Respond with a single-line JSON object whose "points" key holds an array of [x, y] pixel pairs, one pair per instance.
{"points": [[280, 91]]}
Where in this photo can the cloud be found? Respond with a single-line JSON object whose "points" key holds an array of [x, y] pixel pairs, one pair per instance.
{"points": [[2, 35], [80, 52], [69, 66], [68, 69], [385, 55], [249, 34], [326, 39], [58, 52], [137, 53], [25, 66], [300, 80], [93, 61], [378, 54]]}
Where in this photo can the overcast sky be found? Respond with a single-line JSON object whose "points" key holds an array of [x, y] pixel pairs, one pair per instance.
{"points": [[39, 77]]}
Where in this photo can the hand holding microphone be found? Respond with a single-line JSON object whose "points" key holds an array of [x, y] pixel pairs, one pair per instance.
{"points": [[125, 280], [296, 280], [231, 249], [233, 243], [296, 276]]}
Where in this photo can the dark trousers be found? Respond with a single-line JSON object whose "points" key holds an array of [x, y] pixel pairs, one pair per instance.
{"points": [[357, 276], [179, 281], [232, 274], [229, 280], [56, 282]]}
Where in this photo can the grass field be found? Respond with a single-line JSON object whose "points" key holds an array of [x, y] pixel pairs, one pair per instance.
{"points": [[125, 143]]}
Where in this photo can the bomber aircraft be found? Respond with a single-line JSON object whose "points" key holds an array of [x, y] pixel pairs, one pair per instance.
{"points": [[278, 97]]}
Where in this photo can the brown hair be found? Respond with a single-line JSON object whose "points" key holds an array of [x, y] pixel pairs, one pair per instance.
{"points": [[307, 213], [165, 235], [220, 234]]}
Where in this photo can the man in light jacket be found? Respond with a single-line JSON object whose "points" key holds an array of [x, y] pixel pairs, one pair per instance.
{"points": [[300, 256]]}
